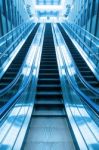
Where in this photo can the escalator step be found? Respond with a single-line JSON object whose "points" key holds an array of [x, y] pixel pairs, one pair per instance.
{"points": [[95, 99], [48, 111], [60, 100], [49, 81], [49, 106], [10, 69], [49, 59], [48, 71], [89, 78], [48, 56], [48, 102], [94, 83], [48, 88], [11, 74], [46, 66], [49, 76], [48, 62], [83, 67], [49, 95], [6, 79], [86, 72]]}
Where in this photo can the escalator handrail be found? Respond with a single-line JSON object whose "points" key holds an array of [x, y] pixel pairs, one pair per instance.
{"points": [[88, 48], [85, 98], [12, 47], [94, 38], [4, 37], [86, 84], [14, 43], [6, 108], [90, 87], [8, 87]]}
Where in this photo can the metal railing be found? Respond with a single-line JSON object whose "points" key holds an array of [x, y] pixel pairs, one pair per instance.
{"points": [[8, 38], [7, 51], [88, 38], [9, 86], [90, 47]]}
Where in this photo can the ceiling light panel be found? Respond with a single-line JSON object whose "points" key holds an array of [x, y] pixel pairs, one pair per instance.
{"points": [[48, 2]]}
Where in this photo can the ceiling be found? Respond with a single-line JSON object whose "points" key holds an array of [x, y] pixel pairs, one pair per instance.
{"points": [[42, 8], [48, 2]]}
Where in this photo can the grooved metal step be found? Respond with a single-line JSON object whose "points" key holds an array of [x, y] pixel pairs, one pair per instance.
{"points": [[48, 102], [49, 88], [48, 71], [49, 112], [49, 95], [47, 76], [48, 81]]}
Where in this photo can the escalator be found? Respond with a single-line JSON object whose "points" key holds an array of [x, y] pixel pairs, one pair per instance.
{"points": [[14, 68], [48, 127], [84, 69], [80, 62]]}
